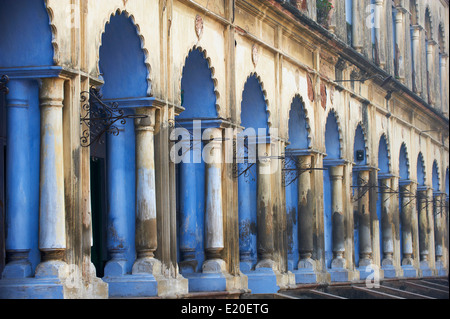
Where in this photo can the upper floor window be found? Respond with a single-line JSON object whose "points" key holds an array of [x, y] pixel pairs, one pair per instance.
{"points": [[412, 24], [395, 52], [428, 61], [349, 20], [373, 26]]}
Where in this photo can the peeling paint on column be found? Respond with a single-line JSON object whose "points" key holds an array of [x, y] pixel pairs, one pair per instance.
{"points": [[52, 233]]}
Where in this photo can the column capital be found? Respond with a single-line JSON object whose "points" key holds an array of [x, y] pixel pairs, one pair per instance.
{"points": [[51, 93], [337, 172], [147, 123], [399, 16]]}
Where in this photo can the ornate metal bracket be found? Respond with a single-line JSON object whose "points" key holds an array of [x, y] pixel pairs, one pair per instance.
{"points": [[100, 117], [293, 168], [3, 82]]}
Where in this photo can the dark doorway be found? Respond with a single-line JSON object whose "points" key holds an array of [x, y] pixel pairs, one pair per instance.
{"points": [[98, 207], [2, 179]]}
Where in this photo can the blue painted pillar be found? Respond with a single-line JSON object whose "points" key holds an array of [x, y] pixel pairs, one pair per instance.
{"points": [[121, 200], [52, 222], [265, 239], [337, 175], [291, 189], [305, 214], [424, 237], [188, 209], [146, 226], [247, 211], [365, 238], [386, 223], [438, 231], [407, 205], [18, 181]]}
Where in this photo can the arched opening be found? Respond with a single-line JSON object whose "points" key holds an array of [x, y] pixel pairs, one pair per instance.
{"points": [[442, 68], [197, 88], [332, 137], [332, 192], [438, 203], [428, 56], [199, 100], [420, 170], [25, 41], [405, 203], [414, 47], [384, 190], [297, 180], [423, 204], [447, 192], [113, 162], [435, 178], [253, 118], [349, 20], [256, 231], [360, 195]]}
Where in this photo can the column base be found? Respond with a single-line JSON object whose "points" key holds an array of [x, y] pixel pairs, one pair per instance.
{"points": [[146, 266], [392, 271], [55, 281], [338, 274], [338, 263], [54, 269], [18, 265], [441, 271], [114, 268], [425, 270], [214, 266], [305, 274], [206, 282], [141, 283], [366, 270], [17, 270], [246, 266], [132, 286], [409, 271], [262, 281], [170, 287], [265, 263], [31, 288]]}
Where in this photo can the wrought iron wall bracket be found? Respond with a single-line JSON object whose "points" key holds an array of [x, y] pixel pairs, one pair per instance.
{"points": [[101, 118]]}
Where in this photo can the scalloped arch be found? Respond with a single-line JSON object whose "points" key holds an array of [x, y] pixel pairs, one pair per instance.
{"points": [[211, 68], [339, 126], [261, 83], [54, 30], [442, 38], [408, 165], [308, 121], [420, 156], [366, 140], [428, 11], [106, 20], [438, 176], [388, 146]]}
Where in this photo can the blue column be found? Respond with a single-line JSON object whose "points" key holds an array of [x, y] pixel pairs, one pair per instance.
{"points": [[291, 212], [121, 200], [18, 181], [188, 211], [247, 192]]}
